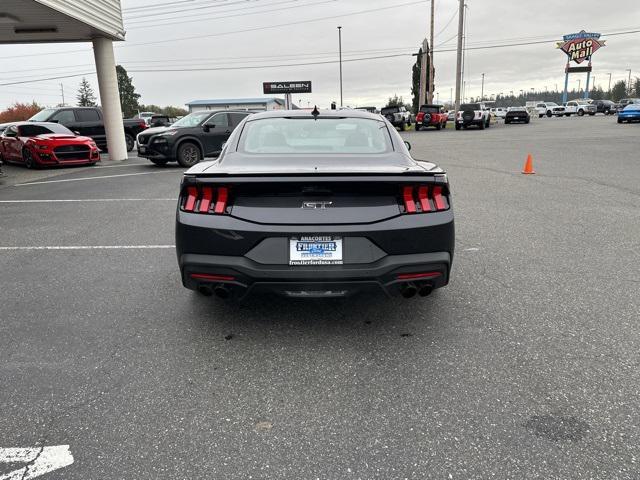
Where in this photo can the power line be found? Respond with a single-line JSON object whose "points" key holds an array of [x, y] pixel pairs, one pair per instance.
{"points": [[268, 27], [148, 14], [144, 25]]}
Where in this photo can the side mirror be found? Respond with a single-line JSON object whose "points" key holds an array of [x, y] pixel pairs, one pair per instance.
{"points": [[408, 145], [208, 126]]}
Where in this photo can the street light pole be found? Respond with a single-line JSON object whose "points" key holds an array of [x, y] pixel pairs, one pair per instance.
{"points": [[459, 54], [609, 82], [340, 49], [629, 84], [482, 89]]}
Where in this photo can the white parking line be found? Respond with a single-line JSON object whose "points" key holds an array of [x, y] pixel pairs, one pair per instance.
{"points": [[91, 247], [81, 200], [93, 178], [125, 165]]}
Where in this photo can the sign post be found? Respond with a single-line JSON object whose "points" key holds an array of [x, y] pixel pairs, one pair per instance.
{"points": [[579, 47], [286, 88]]}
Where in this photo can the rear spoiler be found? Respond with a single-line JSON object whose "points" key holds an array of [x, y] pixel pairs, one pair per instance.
{"points": [[439, 177]]}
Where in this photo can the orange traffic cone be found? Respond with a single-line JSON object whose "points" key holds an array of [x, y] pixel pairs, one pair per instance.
{"points": [[528, 166]]}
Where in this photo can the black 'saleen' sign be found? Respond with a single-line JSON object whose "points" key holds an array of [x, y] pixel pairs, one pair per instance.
{"points": [[286, 87]]}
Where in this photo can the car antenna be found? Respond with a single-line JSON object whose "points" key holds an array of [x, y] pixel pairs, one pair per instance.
{"points": [[315, 112]]}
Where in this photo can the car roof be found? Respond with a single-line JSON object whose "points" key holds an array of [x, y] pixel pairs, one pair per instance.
{"points": [[307, 114]]}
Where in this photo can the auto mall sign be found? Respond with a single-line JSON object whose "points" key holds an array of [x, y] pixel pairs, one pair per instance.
{"points": [[580, 46]]}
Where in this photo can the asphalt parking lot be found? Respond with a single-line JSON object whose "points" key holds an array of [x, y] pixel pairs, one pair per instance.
{"points": [[525, 366]]}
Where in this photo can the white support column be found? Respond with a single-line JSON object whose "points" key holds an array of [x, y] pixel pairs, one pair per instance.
{"points": [[110, 98]]}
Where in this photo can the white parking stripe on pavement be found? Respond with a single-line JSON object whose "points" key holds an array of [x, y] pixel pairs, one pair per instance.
{"points": [[91, 247], [81, 200], [93, 178], [123, 165]]}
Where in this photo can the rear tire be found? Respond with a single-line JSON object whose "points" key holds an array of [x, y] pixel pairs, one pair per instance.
{"points": [[488, 122], [540, 116], [619, 120], [482, 125], [188, 154], [580, 113], [403, 126], [457, 126], [417, 127], [439, 126], [507, 122], [549, 114]]}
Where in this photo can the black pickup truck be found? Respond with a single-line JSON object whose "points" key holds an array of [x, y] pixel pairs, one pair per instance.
{"points": [[87, 121]]}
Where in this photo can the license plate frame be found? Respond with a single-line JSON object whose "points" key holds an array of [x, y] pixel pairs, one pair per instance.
{"points": [[142, 149], [316, 250]]}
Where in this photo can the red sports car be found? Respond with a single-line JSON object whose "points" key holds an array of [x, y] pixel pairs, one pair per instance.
{"points": [[46, 144]]}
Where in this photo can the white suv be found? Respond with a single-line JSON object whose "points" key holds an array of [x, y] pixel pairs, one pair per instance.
{"points": [[473, 114]]}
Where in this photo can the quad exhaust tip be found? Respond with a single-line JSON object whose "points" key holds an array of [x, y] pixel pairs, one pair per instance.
{"points": [[408, 290]]}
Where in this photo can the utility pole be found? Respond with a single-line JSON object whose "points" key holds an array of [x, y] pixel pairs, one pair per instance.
{"points": [[609, 82], [423, 73], [629, 84], [459, 54], [340, 49], [482, 90], [62, 90], [431, 67]]}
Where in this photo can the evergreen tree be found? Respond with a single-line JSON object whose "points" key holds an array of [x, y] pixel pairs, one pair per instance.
{"points": [[637, 88], [128, 96], [86, 97], [416, 69], [619, 91]]}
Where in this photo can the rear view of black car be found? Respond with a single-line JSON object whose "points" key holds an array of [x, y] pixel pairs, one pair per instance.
{"points": [[517, 115], [319, 205], [190, 139]]}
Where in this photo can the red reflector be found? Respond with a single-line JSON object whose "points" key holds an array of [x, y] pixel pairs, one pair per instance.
{"points": [[207, 196], [221, 204], [190, 202], [409, 202], [414, 276], [438, 199], [216, 278], [425, 205]]}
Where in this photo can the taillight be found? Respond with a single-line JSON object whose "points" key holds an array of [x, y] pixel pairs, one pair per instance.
{"points": [[205, 199], [424, 198], [143, 125]]}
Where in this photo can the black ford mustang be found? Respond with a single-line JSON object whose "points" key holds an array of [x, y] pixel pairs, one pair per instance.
{"points": [[320, 204]]}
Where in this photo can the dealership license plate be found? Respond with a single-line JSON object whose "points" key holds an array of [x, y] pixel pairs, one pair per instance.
{"points": [[142, 149], [315, 250], [516, 118]]}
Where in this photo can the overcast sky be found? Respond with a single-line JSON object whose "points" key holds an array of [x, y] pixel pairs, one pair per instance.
{"points": [[304, 34]]}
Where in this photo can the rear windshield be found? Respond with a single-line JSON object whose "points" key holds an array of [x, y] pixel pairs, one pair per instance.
{"points": [[34, 130], [390, 110], [426, 109], [306, 135], [470, 106]]}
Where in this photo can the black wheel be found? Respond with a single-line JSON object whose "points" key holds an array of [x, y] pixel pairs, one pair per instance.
{"points": [[619, 120], [439, 126], [188, 154], [549, 114], [541, 115], [482, 125], [580, 113], [403, 126], [488, 122], [130, 141], [527, 121], [567, 114], [444, 125], [159, 161], [457, 126], [28, 159], [417, 127], [507, 122]]}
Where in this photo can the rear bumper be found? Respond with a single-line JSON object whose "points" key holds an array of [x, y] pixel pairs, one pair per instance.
{"points": [[248, 257], [243, 276]]}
